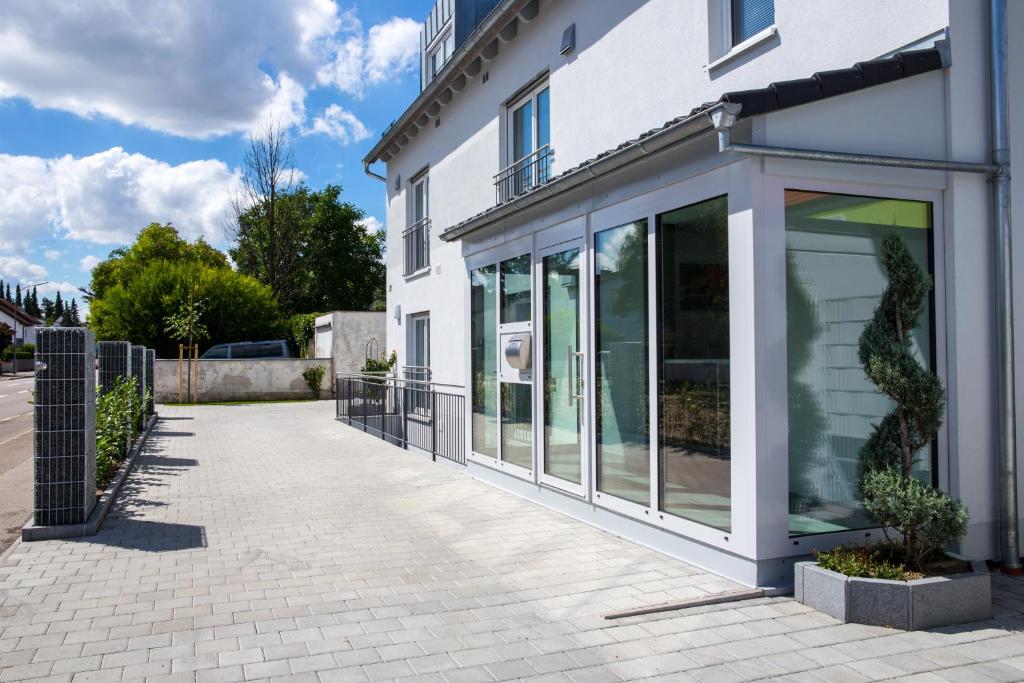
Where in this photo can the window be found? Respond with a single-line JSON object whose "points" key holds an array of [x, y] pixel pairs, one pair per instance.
{"points": [[620, 330], [693, 359], [834, 281], [528, 144], [750, 17], [484, 358], [416, 238], [270, 350], [515, 290], [440, 54]]}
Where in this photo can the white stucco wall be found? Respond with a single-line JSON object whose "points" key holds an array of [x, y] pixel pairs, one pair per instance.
{"points": [[243, 380], [636, 65], [345, 337]]}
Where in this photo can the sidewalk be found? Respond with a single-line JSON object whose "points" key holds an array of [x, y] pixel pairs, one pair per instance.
{"points": [[272, 542]]}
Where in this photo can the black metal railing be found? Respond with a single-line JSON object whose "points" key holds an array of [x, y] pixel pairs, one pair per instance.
{"points": [[416, 239], [529, 172], [418, 414]]}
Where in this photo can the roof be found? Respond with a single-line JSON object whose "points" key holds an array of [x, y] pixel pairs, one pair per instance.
{"points": [[19, 314], [776, 96]]}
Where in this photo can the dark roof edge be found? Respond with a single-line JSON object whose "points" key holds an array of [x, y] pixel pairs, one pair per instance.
{"points": [[20, 314], [487, 30], [675, 131], [777, 96]]}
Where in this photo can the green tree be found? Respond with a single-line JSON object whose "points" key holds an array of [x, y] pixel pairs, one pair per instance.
{"points": [[72, 317], [186, 322], [139, 286], [17, 297], [925, 518]]}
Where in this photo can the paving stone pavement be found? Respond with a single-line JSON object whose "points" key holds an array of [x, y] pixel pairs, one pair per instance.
{"points": [[271, 542]]}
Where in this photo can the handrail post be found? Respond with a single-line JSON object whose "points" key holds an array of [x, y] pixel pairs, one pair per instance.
{"points": [[405, 417], [433, 425]]}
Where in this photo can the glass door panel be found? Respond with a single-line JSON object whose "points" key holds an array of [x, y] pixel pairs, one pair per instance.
{"points": [[562, 382], [621, 362]]}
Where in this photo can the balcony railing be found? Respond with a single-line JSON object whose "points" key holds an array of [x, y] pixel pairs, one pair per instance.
{"points": [[524, 175], [416, 239], [423, 415]]}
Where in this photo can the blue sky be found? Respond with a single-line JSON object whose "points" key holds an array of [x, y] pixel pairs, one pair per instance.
{"points": [[123, 114]]}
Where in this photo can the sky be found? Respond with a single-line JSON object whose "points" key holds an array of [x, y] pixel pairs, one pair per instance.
{"points": [[119, 113]]}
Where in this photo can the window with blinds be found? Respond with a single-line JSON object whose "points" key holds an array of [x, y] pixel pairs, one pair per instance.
{"points": [[749, 17]]}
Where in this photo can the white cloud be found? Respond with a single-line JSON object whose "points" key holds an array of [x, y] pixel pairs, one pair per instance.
{"points": [[371, 224], [339, 124], [193, 69], [106, 198], [16, 269], [87, 263], [52, 254], [386, 52]]}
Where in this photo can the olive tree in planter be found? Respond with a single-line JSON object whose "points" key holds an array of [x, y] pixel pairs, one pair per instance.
{"points": [[918, 520]]}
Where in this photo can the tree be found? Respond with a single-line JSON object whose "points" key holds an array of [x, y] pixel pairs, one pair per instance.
{"points": [[186, 322], [17, 296], [6, 335], [72, 317], [47, 310], [265, 231], [8, 294], [140, 285], [926, 518], [58, 307]]}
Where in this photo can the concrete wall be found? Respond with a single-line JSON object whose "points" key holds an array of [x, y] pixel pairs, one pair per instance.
{"points": [[343, 336], [636, 65], [245, 380]]}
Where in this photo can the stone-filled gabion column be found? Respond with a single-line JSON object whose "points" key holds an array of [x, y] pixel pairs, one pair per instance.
{"points": [[65, 426], [115, 361], [139, 370], [151, 380]]}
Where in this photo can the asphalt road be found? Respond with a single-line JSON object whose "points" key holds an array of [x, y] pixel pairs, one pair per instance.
{"points": [[15, 457]]}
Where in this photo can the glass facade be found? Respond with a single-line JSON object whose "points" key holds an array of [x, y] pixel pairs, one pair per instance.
{"points": [[484, 352], [515, 290], [622, 367], [834, 281], [517, 424], [563, 412], [693, 358]]}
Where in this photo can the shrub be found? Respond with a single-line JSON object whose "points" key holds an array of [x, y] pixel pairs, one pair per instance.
{"points": [[314, 376], [385, 364], [861, 562], [299, 329], [926, 519], [116, 427]]}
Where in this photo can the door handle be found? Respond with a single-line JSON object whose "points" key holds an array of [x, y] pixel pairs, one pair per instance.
{"points": [[575, 387]]}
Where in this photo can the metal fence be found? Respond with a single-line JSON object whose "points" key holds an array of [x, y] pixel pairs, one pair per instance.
{"points": [[424, 415]]}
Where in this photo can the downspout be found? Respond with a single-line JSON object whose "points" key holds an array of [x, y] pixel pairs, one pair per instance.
{"points": [[1007, 440], [367, 171]]}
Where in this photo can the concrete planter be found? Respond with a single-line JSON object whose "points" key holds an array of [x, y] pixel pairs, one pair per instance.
{"points": [[908, 605]]}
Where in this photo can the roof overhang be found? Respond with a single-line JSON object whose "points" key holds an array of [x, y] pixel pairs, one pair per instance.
{"points": [[679, 131], [483, 45]]}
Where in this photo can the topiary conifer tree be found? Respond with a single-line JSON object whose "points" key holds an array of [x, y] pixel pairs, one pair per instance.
{"points": [[926, 518]]}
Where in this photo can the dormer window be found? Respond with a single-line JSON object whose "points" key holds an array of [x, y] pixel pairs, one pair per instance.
{"points": [[437, 40], [440, 54]]}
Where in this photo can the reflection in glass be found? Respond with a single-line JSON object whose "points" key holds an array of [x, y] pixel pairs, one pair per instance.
{"points": [[484, 354], [620, 305], [517, 425], [562, 412], [693, 355], [515, 290], [834, 280]]}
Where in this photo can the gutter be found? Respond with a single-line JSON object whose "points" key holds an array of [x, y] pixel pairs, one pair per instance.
{"points": [[367, 171], [683, 130]]}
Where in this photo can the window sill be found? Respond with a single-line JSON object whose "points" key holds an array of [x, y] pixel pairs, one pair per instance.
{"points": [[417, 273], [744, 47]]}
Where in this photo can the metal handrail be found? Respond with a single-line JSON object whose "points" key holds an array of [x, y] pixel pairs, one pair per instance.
{"points": [[396, 380], [521, 176], [416, 226], [416, 243]]}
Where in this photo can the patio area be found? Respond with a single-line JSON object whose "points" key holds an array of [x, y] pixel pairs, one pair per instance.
{"points": [[272, 542]]}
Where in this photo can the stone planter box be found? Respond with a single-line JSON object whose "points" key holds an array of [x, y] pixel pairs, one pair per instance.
{"points": [[908, 605]]}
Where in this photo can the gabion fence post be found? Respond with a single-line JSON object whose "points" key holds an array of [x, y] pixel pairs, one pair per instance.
{"points": [[151, 380], [139, 373], [64, 416], [115, 361]]}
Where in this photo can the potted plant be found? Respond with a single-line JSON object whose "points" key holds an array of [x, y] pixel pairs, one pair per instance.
{"points": [[908, 581]]}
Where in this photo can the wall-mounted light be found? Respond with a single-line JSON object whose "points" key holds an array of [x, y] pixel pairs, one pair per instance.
{"points": [[398, 314], [568, 40]]}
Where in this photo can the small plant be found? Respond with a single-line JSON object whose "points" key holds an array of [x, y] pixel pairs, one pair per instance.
{"points": [[861, 562], [384, 365], [314, 376], [116, 427], [925, 518]]}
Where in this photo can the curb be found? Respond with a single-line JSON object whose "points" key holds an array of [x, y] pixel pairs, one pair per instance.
{"points": [[31, 533]]}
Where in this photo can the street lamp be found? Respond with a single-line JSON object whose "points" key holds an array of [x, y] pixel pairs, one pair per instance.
{"points": [[15, 359]]}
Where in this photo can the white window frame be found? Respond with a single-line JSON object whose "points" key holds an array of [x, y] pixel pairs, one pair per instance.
{"points": [[420, 180], [443, 45], [722, 48], [510, 109]]}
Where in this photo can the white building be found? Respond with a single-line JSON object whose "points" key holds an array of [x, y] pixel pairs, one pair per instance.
{"points": [[23, 326], [694, 312]]}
